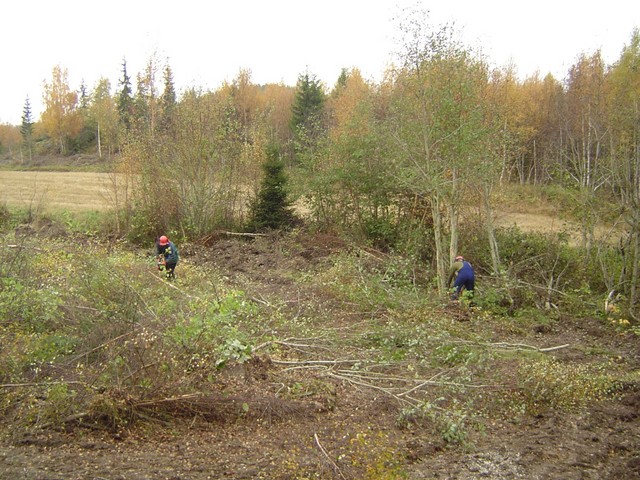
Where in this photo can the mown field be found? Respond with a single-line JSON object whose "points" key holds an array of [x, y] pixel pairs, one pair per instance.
{"points": [[295, 356], [49, 191]]}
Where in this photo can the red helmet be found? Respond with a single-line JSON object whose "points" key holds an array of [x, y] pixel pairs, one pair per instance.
{"points": [[164, 240]]}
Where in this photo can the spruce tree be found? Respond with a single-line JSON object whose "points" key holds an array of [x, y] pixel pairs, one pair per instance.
{"points": [[26, 129], [125, 98], [272, 208], [168, 101], [308, 104]]}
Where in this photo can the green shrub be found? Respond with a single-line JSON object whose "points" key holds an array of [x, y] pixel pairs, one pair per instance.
{"points": [[29, 308], [215, 329], [451, 423], [550, 384]]}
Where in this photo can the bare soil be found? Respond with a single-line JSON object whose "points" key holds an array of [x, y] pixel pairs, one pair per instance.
{"points": [[343, 430]]}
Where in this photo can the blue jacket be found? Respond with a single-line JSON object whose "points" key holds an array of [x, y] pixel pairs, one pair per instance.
{"points": [[460, 270], [169, 252]]}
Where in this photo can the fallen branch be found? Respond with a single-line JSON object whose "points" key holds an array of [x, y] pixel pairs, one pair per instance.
{"points": [[26, 247], [314, 362], [292, 345], [348, 375], [244, 234], [333, 464], [99, 347], [516, 346], [522, 346], [368, 385], [42, 384], [163, 280]]}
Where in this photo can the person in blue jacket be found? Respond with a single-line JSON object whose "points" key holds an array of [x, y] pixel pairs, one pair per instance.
{"points": [[167, 255], [464, 276]]}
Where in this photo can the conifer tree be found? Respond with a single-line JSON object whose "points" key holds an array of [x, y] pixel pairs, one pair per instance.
{"points": [[308, 104], [84, 96], [125, 98], [272, 208], [26, 129], [167, 100]]}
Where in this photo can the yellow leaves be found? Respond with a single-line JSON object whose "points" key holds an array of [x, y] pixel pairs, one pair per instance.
{"points": [[61, 118], [346, 106]]}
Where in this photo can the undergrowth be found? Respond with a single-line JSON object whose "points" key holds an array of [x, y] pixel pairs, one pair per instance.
{"points": [[93, 336]]}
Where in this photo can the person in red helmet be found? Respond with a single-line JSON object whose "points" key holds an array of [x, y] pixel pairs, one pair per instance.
{"points": [[464, 276], [167, 255]]}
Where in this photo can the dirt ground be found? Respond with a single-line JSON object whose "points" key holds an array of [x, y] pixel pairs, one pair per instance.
{"points": [[308, 437]]}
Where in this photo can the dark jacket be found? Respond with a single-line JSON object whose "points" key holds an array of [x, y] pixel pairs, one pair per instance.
{"points": [[461, 270], [169, 252]]}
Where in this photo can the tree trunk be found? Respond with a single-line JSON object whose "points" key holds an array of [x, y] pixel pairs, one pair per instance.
{"points": [[441, 269], [491, 232], [99, 142], [633, 287]]}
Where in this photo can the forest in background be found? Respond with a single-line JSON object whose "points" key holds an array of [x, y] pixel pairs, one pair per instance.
{"points": [[416, 163]]}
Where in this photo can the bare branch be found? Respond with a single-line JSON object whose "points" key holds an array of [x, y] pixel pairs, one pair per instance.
{"points": [[333, 464]]}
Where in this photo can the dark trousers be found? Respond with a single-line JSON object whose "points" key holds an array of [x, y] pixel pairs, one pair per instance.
{"points": [[169, 268], [466, 282]]}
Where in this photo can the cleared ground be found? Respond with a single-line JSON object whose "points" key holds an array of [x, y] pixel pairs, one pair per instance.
{"points": [[326, 407]]}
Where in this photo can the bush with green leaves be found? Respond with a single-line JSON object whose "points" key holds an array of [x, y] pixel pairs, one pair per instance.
{"points": [[212, 336], [452, 423], [548, 384], [369, 281]]}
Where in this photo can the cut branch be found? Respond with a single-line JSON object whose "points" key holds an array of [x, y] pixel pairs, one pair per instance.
{"points": [[333, 464]]}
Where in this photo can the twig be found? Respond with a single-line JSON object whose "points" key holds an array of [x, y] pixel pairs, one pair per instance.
{"points": [[91, 309], [550, 349], [333, 464], [259, 300], [418, 387], [170, 399], [99, 347], [368, 385], [174, 287]]}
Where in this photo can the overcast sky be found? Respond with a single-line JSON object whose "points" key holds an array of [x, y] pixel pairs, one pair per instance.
{"points": [[207, 42]]}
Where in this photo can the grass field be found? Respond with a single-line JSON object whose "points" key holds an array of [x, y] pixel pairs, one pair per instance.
{"points": [[46, 191]]}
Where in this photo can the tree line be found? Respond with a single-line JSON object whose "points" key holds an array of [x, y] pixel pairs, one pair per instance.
{"points": [[400, 163]]}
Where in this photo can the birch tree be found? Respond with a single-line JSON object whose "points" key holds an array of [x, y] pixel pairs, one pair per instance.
{"points": [[586, 130], [60, 119], [624, 98], [104, 115], [438, 121]]}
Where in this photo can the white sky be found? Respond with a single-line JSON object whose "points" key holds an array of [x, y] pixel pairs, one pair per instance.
{"points": [[207, 42]]}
